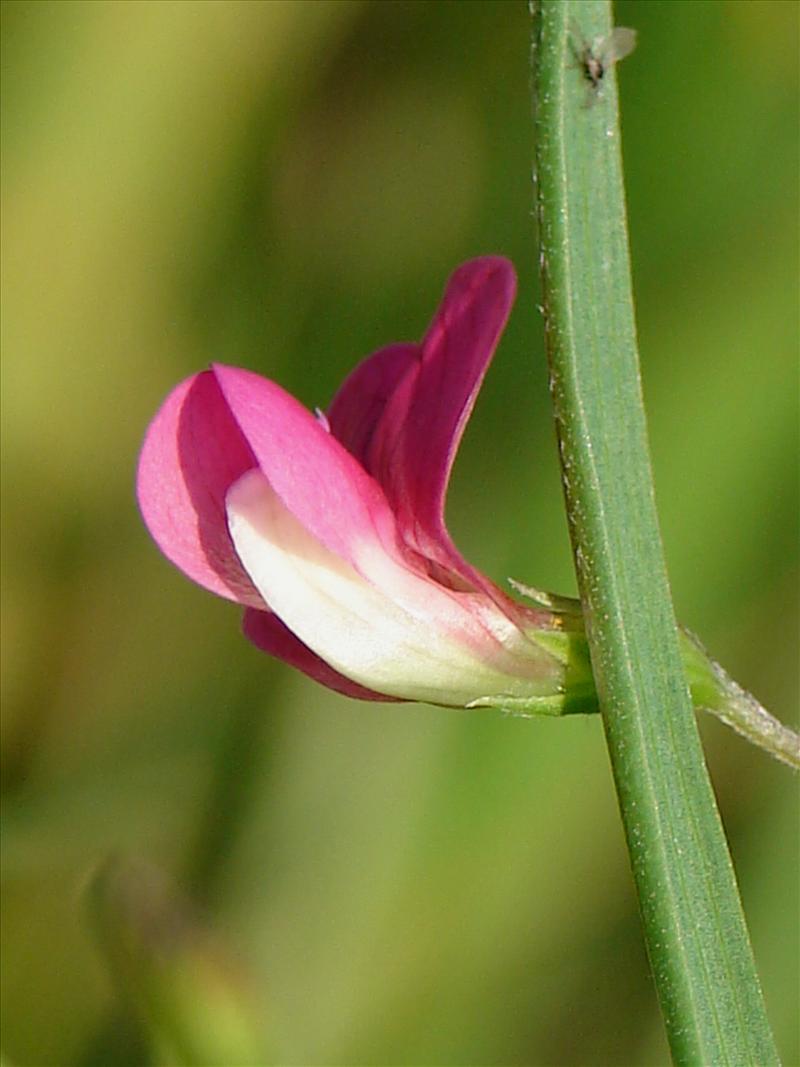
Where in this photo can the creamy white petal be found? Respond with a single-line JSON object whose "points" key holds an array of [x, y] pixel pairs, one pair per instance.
{"points": [[420, 642]]}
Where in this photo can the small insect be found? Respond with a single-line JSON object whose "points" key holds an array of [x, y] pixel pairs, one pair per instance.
{"points": [[595, 59]]}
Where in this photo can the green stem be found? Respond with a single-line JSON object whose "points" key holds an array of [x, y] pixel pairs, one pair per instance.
{"points": [[716, 692], [241, 765], [693, 922]]}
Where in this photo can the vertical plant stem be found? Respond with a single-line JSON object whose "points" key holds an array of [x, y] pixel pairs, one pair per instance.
{"points": [[693, 923], [242, 763]]}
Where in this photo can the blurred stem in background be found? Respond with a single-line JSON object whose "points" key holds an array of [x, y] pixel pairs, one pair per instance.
{"points": [[65, 562], [240, 764], [134, 909], [694, 927], [192, 1003]]}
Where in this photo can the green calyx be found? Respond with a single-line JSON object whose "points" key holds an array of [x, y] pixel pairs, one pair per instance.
{"points": [[710, 687]]}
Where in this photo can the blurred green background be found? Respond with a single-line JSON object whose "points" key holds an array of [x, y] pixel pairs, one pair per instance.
{"points": [[286, 186]]}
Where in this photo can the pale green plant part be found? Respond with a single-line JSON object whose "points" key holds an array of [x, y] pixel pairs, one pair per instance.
{"points": [[694, 927]]}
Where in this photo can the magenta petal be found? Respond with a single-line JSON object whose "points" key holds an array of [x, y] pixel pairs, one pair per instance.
{"points": [[268, 633], [192, 453], [425, 395], [428, 414], [326, 489], [356, 411]]}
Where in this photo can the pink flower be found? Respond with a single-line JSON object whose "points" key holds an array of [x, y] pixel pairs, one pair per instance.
{"points": [[330, 531]]}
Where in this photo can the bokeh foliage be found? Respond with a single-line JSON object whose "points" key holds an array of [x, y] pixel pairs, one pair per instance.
{"points": [[285, 186]]}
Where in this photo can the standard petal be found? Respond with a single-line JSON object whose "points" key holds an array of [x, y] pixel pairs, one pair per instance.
{"points": [[355, 414], [422, 396], [326, 489], [268, 633], [192, 453], [423, 422], [402, 411]]}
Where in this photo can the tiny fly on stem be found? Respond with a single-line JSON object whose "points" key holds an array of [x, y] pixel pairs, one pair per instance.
{"points": [[595, 59]]}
